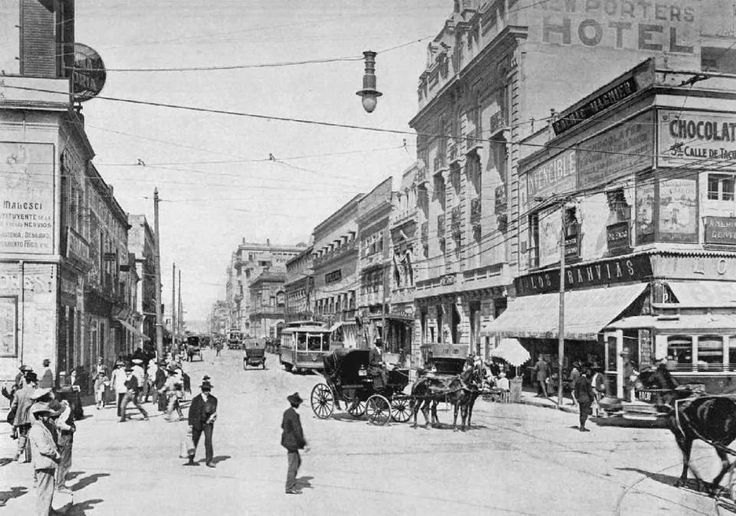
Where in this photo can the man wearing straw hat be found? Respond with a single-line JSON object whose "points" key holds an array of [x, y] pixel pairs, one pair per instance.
{"points": [[45, 455], [293, 440]]}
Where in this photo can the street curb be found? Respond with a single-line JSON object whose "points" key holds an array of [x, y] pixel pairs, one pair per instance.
{"points": [[571, 410]]}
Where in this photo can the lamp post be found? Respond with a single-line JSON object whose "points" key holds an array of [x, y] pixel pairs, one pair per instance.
{"points": [[369, 92]]}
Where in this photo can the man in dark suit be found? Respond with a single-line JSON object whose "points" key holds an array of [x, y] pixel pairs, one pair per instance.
{"points": [[292, 438], [585, 396], [202, 416]]}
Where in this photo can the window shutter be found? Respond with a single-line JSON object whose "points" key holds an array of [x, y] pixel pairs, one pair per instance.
{"points": [[38, 40]]}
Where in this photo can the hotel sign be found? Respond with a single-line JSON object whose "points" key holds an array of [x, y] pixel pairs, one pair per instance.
{"points": [[695, 138], [720, 230], [601, 273]]}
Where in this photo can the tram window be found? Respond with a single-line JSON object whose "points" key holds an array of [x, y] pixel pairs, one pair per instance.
{"points": [[681, 348], [302, 341], [315, 343], [325, 342], [732, 353], [710, 352]]}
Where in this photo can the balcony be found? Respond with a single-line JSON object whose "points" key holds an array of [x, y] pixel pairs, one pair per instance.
{"points": [[497, 123], [452, 152], [440, 226], [475, 211], [439, 163], [421, 176]]}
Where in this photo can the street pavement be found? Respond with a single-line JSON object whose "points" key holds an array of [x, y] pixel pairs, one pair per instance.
{"points": [[517, 459]]}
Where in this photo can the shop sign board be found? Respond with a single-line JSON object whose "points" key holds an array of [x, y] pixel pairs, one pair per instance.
{"points": [[602, 273], [27, 206], [678, 210], [619, 240], [89, 75], [720, 230], [669, 26], [606, 99], [687, 138], [619, 151], [695, 267], [555, 176]]}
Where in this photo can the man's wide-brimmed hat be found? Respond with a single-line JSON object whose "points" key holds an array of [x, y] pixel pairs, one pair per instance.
{"points": [[40, 393], [295, 398], [137, 361], [41, 408], [128, 369], [25, 368], [624, 353], [31, 376]]}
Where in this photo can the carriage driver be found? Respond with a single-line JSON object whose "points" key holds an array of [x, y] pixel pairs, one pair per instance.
{"points": [[375, 362]]}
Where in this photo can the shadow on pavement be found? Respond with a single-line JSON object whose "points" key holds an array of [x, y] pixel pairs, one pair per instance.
{"points": [[84, 482], [74, 474], [663, 479], [304, 483], [220, 458], [344, 416], [80, 509], [5, 461], [14, 492]]}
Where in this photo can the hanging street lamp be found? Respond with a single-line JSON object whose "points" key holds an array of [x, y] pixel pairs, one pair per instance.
{"points": [[369, 93]]}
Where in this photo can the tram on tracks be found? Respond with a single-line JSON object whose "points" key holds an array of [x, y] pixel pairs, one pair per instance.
{"points": [[303, 346]]}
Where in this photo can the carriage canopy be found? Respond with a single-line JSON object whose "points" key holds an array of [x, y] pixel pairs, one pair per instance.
{"points": [[344, 364]]}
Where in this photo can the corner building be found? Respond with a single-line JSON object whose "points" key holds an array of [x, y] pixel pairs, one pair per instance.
{"points": [[495, 73]]}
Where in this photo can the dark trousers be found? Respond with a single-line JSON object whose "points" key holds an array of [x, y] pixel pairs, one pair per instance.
{"points": [[196, 434], [66, 440], [131, 397], [294, 461], [119, 403], [585, 411]]}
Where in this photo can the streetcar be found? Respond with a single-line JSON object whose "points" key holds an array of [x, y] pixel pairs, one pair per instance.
{"points": [[303, 344]]}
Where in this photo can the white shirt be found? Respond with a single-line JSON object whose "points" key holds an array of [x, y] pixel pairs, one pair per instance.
{"points": [[118, 380], [503, 383], [139, 373]]}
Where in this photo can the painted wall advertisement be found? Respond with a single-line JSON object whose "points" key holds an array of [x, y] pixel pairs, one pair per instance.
{"points": [[619, 151], [27, 198], [555, 176], [645, 210], [688, 138], [8, 326], [670, 26], [550, 227], [678, 210]]}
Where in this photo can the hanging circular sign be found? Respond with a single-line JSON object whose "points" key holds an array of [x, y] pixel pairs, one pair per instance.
{"points": [[88, 76]]}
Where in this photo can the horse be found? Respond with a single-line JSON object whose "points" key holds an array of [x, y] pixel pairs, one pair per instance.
{"points": [[710, 418], [461, 391]]}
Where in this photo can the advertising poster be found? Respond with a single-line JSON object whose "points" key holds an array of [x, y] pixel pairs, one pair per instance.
{"points": [[691, 138], [8, 326], [550, 227], [555, 176], [26, 198], [678, 210], [629, 148], [645, 210]]}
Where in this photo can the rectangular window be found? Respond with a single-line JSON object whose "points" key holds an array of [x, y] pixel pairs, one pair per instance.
{"points": [[721, 187], [710, 353], [681, 349], [534, 240]]}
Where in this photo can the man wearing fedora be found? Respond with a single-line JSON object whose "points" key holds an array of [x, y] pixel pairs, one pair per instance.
{"points": [[292, 438], [117, 380], [45, 455], [20, 406], [202, 416], [132, 386]]}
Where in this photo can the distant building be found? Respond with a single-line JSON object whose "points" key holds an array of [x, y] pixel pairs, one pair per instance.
{"points": [[299, 287], [248, 261], [267, 302], [142, 243]]}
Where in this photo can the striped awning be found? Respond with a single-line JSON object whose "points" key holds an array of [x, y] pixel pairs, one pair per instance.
{"points": [[587, 312]]}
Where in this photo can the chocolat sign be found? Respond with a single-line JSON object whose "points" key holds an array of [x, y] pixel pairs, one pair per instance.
{"points": [[687, 138], [622, 270]]}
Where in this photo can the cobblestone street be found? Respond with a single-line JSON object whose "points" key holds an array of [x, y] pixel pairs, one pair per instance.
{"points": [[517, 459]]}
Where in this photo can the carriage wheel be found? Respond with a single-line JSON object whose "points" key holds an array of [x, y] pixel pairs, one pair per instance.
{"points": [[245, 363], [356, 408], [401, 410], [378, 410], [323, 402]]}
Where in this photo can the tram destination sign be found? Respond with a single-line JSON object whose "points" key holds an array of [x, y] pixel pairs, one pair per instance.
{"points": [[622, 270]]}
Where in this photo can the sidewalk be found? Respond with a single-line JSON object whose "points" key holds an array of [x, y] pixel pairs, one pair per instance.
{"points": [[529, 397]]}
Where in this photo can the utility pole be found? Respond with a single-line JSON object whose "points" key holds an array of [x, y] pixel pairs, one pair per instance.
{"points": [[180, 313], [173, 301], [561, 336], [157, 290]]}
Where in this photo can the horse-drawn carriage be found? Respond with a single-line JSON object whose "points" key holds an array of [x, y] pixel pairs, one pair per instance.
{"points": [[194, 348], [349, 379]]}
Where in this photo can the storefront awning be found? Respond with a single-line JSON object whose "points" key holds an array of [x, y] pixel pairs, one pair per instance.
{"points": [[512, 352], [342, 324], [704, 293], [587, 312], [132, 329], [690, 323]]}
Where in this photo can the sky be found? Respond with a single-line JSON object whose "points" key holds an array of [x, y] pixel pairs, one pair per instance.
{"points": [[216, 182]]}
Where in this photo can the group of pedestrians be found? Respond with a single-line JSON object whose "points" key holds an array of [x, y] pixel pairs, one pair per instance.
{"points": [[44, 428]]}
